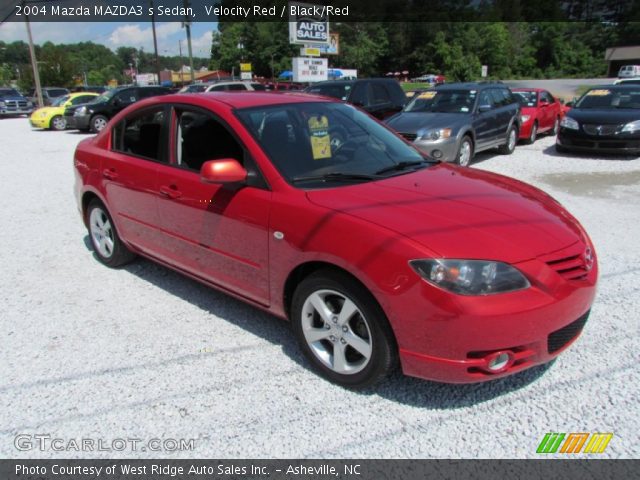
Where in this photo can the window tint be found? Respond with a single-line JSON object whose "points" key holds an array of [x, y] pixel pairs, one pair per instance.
{"points": [[82, 99], [486, 99], [126, 96], [140, 134], [339, 90], [546, 97], [258, 87], [499, 97], [217, 88], [236, 87], [200, 137], [379, 94]]}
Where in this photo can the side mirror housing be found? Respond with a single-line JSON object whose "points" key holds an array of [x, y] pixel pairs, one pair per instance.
{"points": [[225, 170], [484, 108]]}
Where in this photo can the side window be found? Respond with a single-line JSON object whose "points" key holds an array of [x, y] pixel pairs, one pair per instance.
{"points": [[546, 97], [485, 99], [498, 96], [140, 134], [200, 137], [236, 86], [359, 94], [126, 97], [82, 99], [218, 88], [378, 94]]}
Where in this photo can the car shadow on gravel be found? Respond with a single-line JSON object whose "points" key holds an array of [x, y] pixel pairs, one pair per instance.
{"points": [[398, 388], [552, 152]]}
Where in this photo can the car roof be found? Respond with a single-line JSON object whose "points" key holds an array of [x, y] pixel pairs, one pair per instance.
{"points": [[527, 89], [245, 99], [470, 85]]}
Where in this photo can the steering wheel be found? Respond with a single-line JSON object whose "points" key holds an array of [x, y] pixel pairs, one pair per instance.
{"points": [[338, 137]]}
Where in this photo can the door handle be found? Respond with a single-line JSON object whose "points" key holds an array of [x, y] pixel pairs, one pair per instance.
{"points": [[110, 173], [170, 191]]}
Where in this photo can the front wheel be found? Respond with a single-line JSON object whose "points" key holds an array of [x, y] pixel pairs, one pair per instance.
{"points": [[465, 152], [342, 330], [58, 123], [510, 144], [98, 123], [104, 238], [534, 133]]}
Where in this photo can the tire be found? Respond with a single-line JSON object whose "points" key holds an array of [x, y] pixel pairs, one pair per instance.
{"points": [[556, 126], [534, 133], [58, 123], [465, 152], [104, 238], [510, 143], [98, 123], [356, 351]]}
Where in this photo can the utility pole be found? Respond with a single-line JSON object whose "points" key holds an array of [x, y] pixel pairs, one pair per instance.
{"points": [[181, 64], [155, 39], [34, 62], [187, 25]]}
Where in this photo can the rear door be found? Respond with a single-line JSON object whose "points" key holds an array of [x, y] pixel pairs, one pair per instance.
{"points": [[129, 169], [485, 120]]}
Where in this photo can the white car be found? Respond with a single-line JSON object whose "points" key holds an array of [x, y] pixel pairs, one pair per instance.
{"points": [[629, 71], [235, 86]]}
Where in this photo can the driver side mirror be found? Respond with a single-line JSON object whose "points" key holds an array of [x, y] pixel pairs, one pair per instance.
{"points": [[225, 170], [484, 108]]}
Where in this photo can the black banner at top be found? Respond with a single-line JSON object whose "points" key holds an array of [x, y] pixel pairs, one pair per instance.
{"points": [[334, 10]]}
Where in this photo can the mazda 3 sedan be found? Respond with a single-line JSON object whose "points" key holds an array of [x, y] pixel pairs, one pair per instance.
{"points": [[312, 210]]}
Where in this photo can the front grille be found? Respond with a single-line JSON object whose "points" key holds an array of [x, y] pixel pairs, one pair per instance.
{"points": [[570, 268], [409, 136], [560, 338], [15, 105], [598, 130]]}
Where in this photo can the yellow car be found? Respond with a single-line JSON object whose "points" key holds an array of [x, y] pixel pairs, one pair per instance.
{"points": [[53, 117]]}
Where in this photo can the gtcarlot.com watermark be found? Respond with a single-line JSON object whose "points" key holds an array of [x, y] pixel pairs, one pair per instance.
{"points": [[45, 442]]}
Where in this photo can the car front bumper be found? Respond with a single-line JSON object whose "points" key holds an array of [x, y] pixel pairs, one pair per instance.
{"points": [[445, 150], [453, 338], [10, 111], [39, 122], [579, 142]]}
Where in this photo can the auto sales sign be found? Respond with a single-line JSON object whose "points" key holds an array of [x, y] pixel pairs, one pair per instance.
{"points": [[308, 24]]}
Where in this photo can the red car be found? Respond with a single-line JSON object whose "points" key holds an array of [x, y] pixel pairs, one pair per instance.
{"points": [[310, 209], [541, 113]]}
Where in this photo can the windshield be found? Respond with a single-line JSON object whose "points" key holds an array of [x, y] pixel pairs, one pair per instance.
{"points": [[56, 92], [610, 98], [445, 101], [527, 99], [9, 92], [313, 144], [105, 97], [60, 100], [335, 90]]}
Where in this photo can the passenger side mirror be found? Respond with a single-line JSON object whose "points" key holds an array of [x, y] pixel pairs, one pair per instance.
{"points": [[225, 170], [569, 104], [544, 103], [484, 108]]}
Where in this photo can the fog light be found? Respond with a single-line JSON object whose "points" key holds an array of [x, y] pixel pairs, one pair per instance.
{"points": [[499, 361], [436, 153]]}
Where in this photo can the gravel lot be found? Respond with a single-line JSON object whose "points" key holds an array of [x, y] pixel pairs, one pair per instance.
{"points": [[144, 353]]}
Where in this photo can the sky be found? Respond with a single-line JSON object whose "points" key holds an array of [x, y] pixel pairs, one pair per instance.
{"points": [[116, 34]]}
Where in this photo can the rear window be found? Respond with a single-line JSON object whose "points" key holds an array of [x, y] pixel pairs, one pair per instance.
{"points": [[339, 91], [56, 92]]}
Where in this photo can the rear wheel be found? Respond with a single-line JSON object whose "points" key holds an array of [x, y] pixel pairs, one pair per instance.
{"points": [[510, 144], [465, 152], [58, 123], [342, 330], [104, 238]]}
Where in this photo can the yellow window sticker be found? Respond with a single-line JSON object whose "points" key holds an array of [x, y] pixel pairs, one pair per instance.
{"points": [[598, 93], [427, 95], [320, 139]]}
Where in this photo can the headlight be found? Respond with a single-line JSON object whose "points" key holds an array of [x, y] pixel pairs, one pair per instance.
{"points": [[570, 123], [470, 277], [632, 127], [80, 111], [525, 118], [436, 134]]}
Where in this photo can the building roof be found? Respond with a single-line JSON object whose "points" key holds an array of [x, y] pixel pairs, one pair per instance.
{"points": [[622, 53]]}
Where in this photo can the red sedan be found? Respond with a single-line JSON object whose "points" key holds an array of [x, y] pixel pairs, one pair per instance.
{"points": [[310, 209], [541, 113]]}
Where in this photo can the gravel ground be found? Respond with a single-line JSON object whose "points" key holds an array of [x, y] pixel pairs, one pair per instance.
{"points": [[144, 353]]}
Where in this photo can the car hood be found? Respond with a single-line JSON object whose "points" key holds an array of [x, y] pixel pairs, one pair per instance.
{"points": [[50, 110], [602, 116], [411, 122], [460, 213], [13, 98]]}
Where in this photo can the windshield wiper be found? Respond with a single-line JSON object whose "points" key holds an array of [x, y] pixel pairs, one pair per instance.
{"points": [[402, 166], [336, 176]]}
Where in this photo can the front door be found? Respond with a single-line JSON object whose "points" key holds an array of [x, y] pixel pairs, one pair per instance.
{"points": [[216, 232]]}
